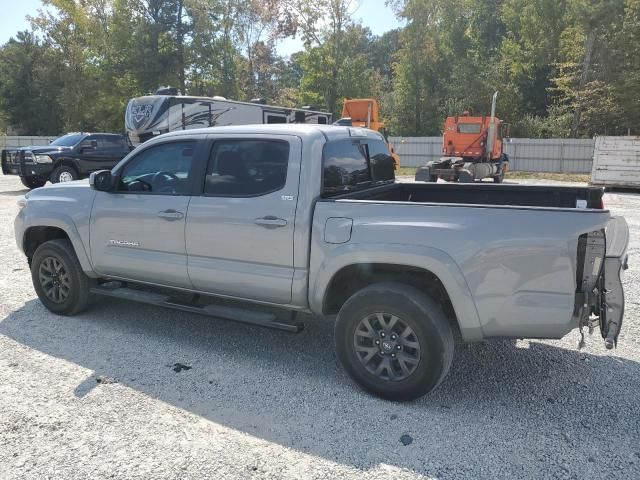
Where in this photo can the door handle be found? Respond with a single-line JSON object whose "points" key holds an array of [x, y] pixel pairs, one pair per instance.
{"points": [[270, 222], [171, 214]]}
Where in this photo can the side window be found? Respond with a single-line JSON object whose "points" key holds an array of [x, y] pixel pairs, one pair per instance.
{"points": [[344, 167], [246, 168], [87, 142], [276, 118], [382, 165], [162, 169], [111, 143]]}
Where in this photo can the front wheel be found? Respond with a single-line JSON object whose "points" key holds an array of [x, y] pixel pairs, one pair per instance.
{"points": [[32, 182], [394, 341], [64, 174], [58, 278], [499, 178]]}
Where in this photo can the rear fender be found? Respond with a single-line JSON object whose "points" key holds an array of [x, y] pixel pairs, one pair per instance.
{"points": [[434, 260]]}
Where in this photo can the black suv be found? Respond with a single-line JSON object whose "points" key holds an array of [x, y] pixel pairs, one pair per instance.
{"points": [[70, 157]]}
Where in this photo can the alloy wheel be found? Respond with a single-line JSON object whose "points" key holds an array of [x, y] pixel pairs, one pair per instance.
{"points": [[387, 346], [54, 279]]}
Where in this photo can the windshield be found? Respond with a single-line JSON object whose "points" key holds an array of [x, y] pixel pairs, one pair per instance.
{"points": [[469, 127], [68, 140]]}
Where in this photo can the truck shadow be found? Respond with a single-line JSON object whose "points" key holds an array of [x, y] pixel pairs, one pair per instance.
{"points": [[512, 403]]}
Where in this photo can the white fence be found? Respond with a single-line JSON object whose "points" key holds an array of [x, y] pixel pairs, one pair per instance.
{"points": [[11, 141], [525, 154]]}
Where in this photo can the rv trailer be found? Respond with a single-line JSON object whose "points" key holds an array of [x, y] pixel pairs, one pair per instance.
{"points": [[151, 115]]}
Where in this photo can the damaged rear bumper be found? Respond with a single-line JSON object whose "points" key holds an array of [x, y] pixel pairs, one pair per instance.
{"points": [[615, 263], [600, 298]]}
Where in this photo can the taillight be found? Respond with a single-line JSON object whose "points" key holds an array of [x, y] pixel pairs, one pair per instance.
{"points": [[602, 204]]}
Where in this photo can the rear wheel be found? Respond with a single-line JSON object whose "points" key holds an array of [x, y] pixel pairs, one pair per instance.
{"points": [[64, 174], [32, 182], [499, 178], [58, 278], [394, 341]]}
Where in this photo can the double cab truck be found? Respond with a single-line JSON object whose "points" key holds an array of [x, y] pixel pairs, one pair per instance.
{"points": [[70, 157], [257, 223]]}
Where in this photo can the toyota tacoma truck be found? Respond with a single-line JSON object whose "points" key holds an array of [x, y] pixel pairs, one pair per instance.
{"points": [[248, 222], [70, 157]]}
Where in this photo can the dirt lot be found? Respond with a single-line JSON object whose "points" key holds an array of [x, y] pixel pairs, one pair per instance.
{"points": [[100, 396]]}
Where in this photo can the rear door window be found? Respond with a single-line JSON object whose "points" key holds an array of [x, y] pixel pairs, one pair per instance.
{"points": [[111, 143], [246, 168]]}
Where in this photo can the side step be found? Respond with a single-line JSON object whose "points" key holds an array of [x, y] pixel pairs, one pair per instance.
{"points": [[261, 319]]}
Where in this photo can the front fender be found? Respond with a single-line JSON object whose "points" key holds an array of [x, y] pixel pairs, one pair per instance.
{"points": [[436, 261], [59, 220]]}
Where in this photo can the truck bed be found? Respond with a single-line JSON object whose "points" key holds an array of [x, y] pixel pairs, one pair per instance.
{"points": [[514, 247], [484, 194]]}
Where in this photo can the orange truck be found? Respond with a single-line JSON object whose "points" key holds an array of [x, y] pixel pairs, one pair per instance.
{"points": [[472, 149], [363, 112]]}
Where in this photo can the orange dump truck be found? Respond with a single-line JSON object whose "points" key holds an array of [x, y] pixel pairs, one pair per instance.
{"points": [[472, 149], [363, 112]]}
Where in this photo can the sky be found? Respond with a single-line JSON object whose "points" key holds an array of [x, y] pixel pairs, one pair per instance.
{"points": [[373, 14]]}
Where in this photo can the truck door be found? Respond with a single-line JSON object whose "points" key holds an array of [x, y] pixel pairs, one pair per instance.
{"points": [[90, 155], [115, 148], [239, 231], [137, 231]]}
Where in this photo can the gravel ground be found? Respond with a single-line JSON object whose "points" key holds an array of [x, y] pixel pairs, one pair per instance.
{"points": [[98, 396]]}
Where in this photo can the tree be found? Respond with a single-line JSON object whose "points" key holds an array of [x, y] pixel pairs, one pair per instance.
{"points": [[26, 88], [628, 65]]}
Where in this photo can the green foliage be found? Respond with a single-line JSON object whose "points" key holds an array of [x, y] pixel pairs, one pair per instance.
{"points": [[561, 67], [30, 72]]}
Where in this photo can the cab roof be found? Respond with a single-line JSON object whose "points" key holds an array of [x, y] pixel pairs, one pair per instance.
{"points": [[303, 130]]}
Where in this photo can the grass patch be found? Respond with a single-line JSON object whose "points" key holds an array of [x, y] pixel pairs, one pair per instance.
{"points": [[559, 177], [406, 172]]}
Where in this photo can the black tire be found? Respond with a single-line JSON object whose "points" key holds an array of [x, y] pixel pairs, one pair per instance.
{"points": [[69, 278], [499, 178], [32, 182], [63, 173], [413, 309], [423, 174], [465, 177]]}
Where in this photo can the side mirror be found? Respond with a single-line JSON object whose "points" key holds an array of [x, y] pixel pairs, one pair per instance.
{"points": [[102, 181]]}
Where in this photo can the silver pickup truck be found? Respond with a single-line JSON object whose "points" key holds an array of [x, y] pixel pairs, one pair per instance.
{"points": [[251, 223]]}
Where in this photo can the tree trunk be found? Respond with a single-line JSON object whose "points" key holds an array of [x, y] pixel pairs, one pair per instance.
{"points": [[584, 77]]}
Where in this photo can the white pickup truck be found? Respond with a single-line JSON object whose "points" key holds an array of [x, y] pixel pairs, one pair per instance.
{"points": [[310, 219]]}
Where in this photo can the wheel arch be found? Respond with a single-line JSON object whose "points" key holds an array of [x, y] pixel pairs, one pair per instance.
{"points": [[430, 270], [36, 234], [66, 162]]}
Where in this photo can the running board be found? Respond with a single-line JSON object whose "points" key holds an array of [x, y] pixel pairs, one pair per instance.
{"points": [[252, 317]]}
